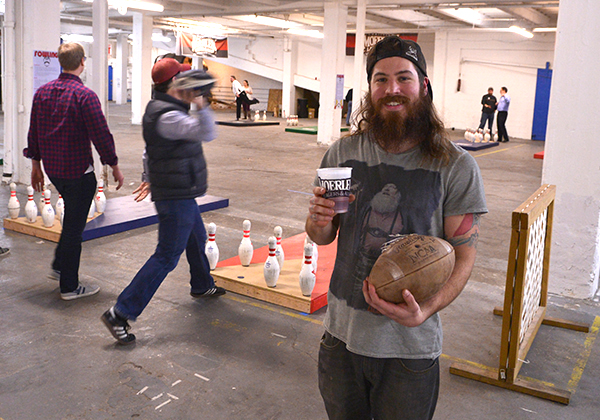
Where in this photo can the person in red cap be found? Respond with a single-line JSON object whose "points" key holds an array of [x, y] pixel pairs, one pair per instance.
{"points": [[175, 173], [380, 360]]}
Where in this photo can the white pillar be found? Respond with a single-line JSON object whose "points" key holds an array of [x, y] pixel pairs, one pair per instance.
{"points": [[290, 62], [141, 83], [333, 52], [36, 27], [572, 153], [437, 74], [360, 71], [98, 79], [120, 71]]}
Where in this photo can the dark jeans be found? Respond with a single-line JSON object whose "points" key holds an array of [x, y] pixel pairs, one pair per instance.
{"points": [[349, 113], [180, 228], [357, 387], [78, 195], [239, 102], [502, 133], [490, 120]]}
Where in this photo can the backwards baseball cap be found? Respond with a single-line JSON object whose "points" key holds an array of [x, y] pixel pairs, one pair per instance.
{"points": [[393, 46], [163, 70]]}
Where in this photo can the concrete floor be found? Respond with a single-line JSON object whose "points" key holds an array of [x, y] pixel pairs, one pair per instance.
{"points": [[238, 358]]}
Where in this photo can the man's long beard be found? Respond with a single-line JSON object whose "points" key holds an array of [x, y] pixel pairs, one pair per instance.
{"points": [[391, 130]]}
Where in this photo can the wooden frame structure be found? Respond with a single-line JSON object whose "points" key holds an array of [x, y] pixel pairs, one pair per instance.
{"points": [[525, 299]]}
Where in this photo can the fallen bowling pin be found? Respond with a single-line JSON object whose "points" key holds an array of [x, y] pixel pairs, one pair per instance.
{"points": [[47, 211], [278, 232], [271, 268], [245, 250], [307, 276], [31, 210], [211, 249], [13, 202]]}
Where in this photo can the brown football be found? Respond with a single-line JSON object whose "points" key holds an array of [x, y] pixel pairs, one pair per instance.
{"points": [[421, 264]]}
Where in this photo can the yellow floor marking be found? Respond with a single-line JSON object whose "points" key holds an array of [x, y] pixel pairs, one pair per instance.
{"points": [[497, 151], [584, 356]]}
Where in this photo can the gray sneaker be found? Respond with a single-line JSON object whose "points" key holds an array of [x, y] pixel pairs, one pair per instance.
{"points": [[81, 291]]}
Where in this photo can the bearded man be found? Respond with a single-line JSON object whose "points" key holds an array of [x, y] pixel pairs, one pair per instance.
{"points": [[379, 360]]}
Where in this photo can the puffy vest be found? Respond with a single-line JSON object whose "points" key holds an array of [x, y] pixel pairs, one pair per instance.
{"points": [[177, 168]]}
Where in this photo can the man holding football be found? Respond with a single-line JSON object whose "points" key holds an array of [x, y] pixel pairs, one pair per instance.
{"points": [[379, 360]]}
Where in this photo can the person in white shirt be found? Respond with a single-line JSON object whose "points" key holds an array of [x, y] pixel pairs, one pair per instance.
{"points": [[240, 96]]}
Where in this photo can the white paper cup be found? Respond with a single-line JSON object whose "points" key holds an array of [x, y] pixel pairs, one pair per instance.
{"points": [[337, 182]]}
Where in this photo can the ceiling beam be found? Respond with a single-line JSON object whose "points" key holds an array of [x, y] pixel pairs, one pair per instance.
{"points": [[529, 14]]}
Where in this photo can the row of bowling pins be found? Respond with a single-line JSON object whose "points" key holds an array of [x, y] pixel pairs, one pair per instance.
{"points": [[274, 263], [257, 115], [292, 120], [48, 212], [479, 136]]}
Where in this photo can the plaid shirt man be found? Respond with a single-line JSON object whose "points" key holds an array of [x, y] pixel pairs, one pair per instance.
{"points": [[65, 116]]}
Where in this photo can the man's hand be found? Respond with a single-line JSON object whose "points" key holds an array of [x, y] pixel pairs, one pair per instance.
{"points": [[142, 191], [37, 175], [118, 176], [408, 313]]}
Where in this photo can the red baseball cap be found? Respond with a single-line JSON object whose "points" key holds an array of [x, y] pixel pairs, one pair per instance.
{"points": [[166, 68]]}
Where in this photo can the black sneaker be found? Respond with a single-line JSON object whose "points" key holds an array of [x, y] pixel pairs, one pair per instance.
{"points": [[4, 251], [117, 326], [212, 292]]}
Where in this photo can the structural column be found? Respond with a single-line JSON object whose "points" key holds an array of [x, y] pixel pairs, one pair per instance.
{"points": [[29, 25], [572, 155], [332, 64], [141, 78], [437, 74], [360, 72], [290, 61], [120, 72]]}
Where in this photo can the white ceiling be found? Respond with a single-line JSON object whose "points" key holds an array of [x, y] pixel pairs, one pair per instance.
{"points": [[382, 16]]}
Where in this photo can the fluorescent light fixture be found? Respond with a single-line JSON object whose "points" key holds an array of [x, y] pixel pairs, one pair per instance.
{"points": [[268, 21], [312, 33], [544, 29], [521, 31], [123, 5], [77, 38], [465, 14]]}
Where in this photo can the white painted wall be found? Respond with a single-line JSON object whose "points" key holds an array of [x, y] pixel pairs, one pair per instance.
{"points": [[510, 56]]}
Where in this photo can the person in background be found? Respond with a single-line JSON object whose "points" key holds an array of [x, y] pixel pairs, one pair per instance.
{"points": [[489, 103], [240, 96], [503, 105], [251, 99], [349, 102], [66, 119]]}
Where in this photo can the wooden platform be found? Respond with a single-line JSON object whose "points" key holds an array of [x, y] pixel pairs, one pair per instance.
{"points": [[476, 146], [249, 281], [121, 214], [246, 123], [308, 130]]}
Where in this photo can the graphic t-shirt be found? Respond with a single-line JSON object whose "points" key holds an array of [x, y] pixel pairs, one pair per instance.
{"points": [[395, 194]]}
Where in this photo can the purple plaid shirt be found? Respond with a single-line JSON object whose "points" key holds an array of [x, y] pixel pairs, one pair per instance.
{"points": [[65, 117]]}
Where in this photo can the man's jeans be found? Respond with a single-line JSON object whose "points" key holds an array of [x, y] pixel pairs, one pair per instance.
{"points": [[180, 228], [489, 118], [78, 195], [356, 387]]}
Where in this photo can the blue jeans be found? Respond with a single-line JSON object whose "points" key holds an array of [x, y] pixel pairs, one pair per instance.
{"points": [[78, 195], [490, 120], [180, 228], [357, 387]]}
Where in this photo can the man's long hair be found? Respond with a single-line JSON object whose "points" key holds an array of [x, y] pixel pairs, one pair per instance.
{"points": [[427, 128]]}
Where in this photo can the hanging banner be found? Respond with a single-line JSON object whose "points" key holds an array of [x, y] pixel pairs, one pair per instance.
{"points": [[371, 40], [201, 46], [339, 91], [45, 68]]}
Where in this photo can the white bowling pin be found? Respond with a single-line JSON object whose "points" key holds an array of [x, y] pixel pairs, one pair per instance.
{"points": [[211, 249], [271, 268], [467, 134], [100, 198], [31, 210], [264, 117], [486, 136], [315, 253], [495, 137], [47, 210], [92, 210], [256, 115], [245, 250], [42, 200], [62, 217], [307, 277], [60, 207], [278, 232], [13, 202]]}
